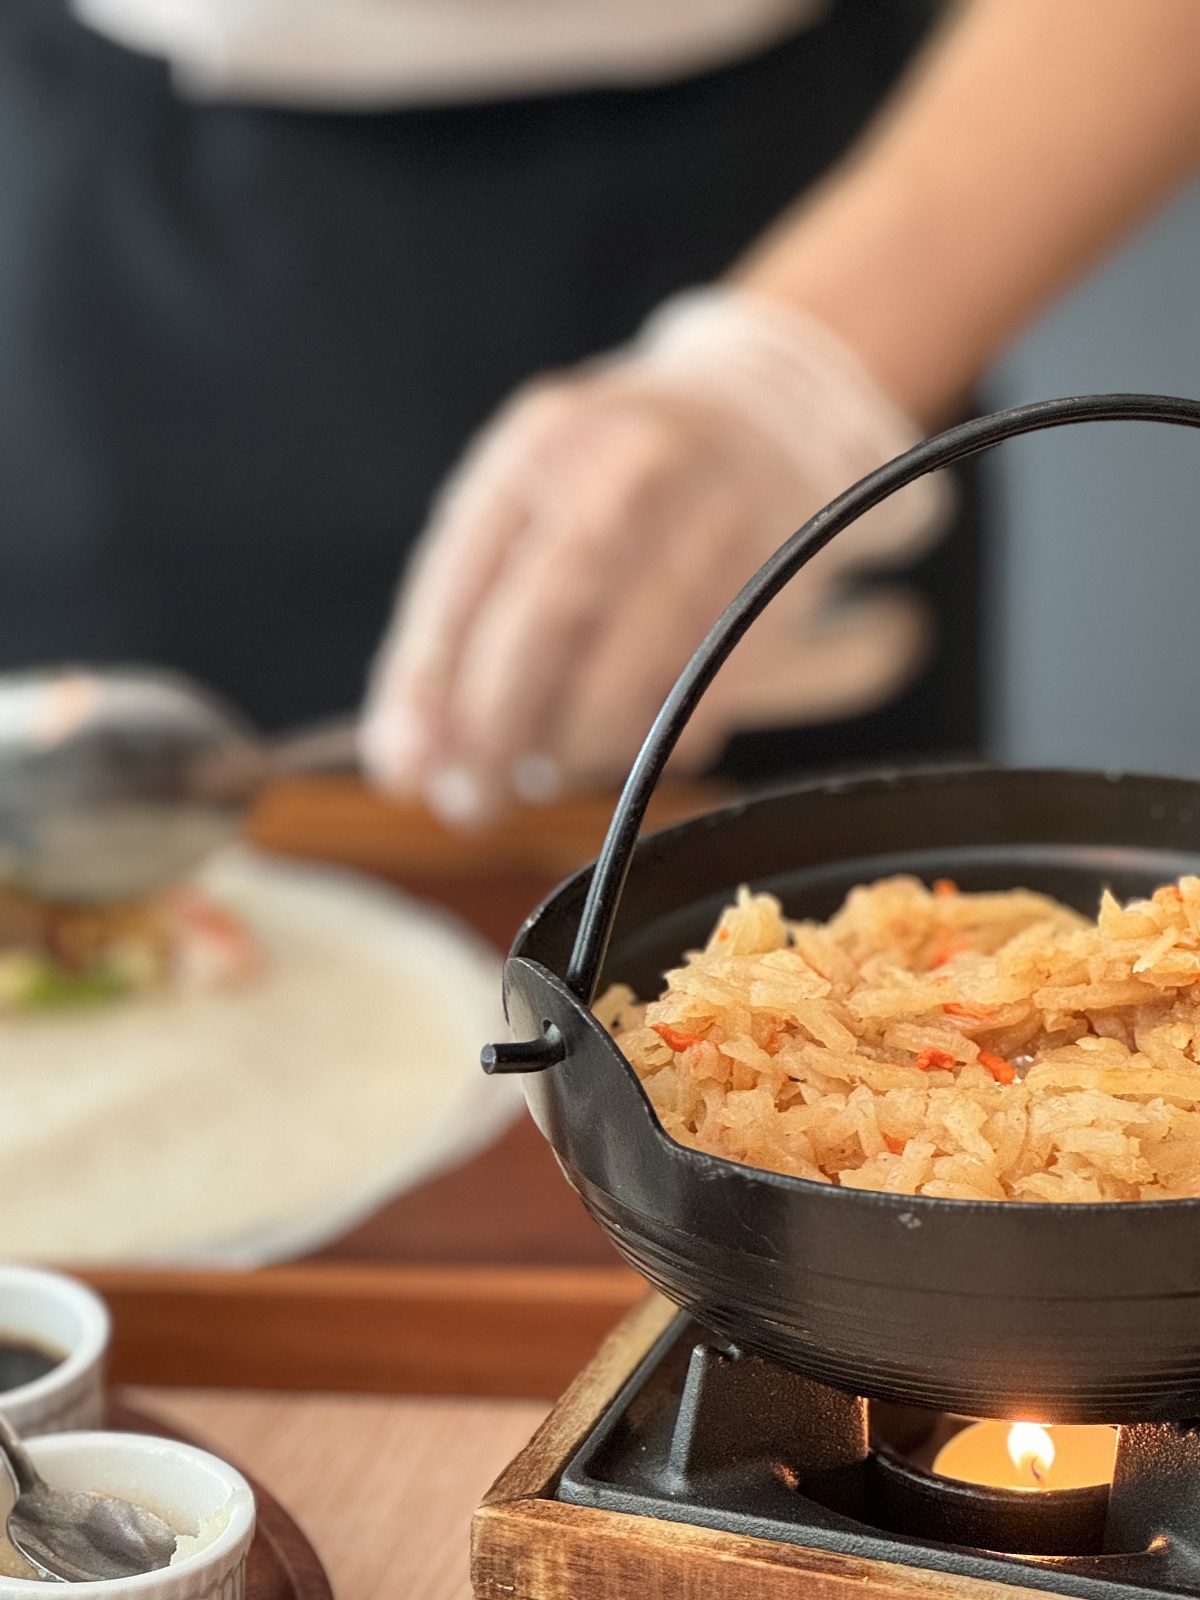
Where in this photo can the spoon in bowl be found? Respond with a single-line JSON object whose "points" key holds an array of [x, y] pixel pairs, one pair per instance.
{"points": [[117, 781], [77, 1535]]}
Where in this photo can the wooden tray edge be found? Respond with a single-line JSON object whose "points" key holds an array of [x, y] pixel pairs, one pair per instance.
{"points": [[517, 1332]]}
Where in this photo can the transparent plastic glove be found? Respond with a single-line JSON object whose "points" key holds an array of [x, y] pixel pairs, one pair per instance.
{"points": [[601, 523]]}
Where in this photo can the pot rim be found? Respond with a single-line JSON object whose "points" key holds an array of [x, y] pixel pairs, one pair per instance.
{"points": [[836, 785]]}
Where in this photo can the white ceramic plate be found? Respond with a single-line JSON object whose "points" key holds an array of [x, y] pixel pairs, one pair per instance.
{"points": [[247, 1125]]}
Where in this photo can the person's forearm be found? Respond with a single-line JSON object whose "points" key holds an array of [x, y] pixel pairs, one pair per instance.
{"points": [[1028, 140]]}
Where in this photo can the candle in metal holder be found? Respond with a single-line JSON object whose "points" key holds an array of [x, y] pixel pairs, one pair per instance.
{"points": [[1025, 1455]]}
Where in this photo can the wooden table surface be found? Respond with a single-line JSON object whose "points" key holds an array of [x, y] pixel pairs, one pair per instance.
{"points": [[384, 1488]]}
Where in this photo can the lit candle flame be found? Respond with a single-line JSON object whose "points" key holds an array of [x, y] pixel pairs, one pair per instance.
{"points": [[1031, 1449]]}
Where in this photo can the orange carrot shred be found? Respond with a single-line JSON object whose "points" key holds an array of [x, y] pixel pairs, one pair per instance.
{"points": [[1003, 1071], [958, 1008], [676, 1037], [773, 1038], [946, 947], [944, 886], [896, 1146], [936, 1061]]}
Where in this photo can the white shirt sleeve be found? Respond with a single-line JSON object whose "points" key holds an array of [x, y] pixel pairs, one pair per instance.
{"points": [[379, 53]]}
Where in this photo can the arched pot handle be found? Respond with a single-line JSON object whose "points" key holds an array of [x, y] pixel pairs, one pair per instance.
{"points": [[943, 450]]}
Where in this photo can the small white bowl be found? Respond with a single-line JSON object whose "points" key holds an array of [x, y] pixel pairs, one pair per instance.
{"points": [[48, 1309], [183, 1485]]}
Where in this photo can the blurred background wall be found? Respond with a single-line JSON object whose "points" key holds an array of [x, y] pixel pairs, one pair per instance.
{"points": [[1095, 659]]}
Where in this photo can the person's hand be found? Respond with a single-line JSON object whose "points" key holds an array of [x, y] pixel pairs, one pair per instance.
{"points": [[599, 526]]}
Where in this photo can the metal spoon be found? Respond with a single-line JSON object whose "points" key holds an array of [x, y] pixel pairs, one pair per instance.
{"points": [[115, 781], [77, 1535]]}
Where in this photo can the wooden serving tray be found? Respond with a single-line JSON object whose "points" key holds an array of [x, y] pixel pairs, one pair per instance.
{"points": [[515, 1331], [282, 1565], [336, 817]]}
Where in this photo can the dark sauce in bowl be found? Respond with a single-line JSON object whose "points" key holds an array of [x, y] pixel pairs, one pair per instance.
{"points": [[22, 1360]]}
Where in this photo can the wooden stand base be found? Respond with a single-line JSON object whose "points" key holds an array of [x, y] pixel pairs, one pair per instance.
{"points": [[525, 1545]]}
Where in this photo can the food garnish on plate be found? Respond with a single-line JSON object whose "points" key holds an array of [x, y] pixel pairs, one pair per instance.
{"points": [[54, 956], [990, 1046]]}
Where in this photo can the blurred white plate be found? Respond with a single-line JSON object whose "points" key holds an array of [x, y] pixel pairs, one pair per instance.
{"points": [[247, 1125]]}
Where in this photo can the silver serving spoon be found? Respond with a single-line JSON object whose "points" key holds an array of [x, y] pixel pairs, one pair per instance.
{"points": [[115, 781], [75, 1535]]}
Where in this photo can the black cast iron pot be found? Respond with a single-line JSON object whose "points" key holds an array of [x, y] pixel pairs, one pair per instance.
{"points": [[1081, 1313]]}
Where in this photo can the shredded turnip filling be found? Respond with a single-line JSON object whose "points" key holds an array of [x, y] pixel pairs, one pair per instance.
{"points": [[927, 1041]]}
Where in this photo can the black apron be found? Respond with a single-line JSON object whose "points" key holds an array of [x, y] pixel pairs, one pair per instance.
{"points": [[240, 346]]}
